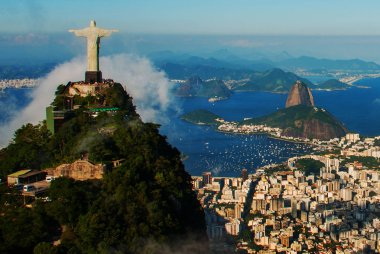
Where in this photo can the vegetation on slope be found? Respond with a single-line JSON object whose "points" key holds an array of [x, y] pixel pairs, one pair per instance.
{"points": [[367, 161], [288, 117], [309, 166], [303, 121], [147, 200]]}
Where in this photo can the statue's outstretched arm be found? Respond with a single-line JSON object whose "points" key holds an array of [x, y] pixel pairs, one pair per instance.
{"points": [[105, 32], [82, 32]]}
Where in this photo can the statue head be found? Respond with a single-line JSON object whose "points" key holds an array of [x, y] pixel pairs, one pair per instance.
{"points": [[92, 23]]}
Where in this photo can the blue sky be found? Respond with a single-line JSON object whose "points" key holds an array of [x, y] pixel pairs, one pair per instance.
{"points": [[243, 17], [338, 29]]}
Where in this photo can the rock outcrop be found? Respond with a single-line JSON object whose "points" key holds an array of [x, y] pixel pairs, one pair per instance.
{"points": [[299, 94]]}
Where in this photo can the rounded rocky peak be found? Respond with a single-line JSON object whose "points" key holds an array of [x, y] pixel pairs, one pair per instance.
{"points": [[299, 94]]}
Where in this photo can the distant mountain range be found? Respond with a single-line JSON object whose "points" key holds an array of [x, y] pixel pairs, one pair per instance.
{"points": [[222, 64], [274, 80], [316, 64], [252, 75]]}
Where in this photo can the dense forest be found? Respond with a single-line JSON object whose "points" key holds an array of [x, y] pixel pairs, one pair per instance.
{"points": [[145, 205]]}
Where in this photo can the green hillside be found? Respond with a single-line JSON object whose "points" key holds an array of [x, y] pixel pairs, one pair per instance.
{"points": [[303, 121], [297, 121], [146, 200], [286, 117]]}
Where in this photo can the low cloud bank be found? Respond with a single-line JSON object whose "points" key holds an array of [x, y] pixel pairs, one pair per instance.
{"points": [[149, 88]]}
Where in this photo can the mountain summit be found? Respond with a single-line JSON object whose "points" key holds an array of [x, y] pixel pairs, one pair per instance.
{"points": [[299, 94]]}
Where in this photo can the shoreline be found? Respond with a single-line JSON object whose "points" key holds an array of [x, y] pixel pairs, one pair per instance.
{"points": [[269, 136], [292, 141], [254, 133]]}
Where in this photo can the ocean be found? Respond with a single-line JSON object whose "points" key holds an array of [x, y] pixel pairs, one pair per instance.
{"points": [[226, 154], [204, 149], [11, 101]]}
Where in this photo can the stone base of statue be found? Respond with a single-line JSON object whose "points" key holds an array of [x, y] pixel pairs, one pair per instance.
{"points": [[93, 76]]}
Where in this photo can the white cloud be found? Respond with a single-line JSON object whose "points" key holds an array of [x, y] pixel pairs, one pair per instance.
{"points": [[42, 96], [149, 88]]}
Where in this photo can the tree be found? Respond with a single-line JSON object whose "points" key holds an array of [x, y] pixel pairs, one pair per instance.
{"points": [[29, 149], [148, 197], [70, 199], [21, 229], [309, 166], [45, 248]]}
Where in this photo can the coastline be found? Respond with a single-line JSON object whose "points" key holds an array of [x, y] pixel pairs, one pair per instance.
{"points": [[290, 139], [269, 136]]}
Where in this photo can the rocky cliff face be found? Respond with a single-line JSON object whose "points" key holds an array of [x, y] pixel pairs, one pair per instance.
{"points": [[315, 128], [299, 94]]}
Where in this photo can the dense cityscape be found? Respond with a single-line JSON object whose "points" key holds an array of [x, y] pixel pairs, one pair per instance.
{"points": [[294, 208], [18, 83]]}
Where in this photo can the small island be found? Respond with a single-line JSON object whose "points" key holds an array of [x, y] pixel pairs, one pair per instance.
{"points": [[201, 117]]}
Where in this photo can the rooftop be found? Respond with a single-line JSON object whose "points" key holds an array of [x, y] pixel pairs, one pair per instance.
{"points": [[31, 173], [20, 173]]}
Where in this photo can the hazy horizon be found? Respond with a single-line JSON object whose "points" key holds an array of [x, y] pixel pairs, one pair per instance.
{"points": [[36, 30], [27, 48]]}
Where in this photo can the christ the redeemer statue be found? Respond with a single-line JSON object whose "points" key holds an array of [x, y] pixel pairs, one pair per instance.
{"points": [[93, 35]]}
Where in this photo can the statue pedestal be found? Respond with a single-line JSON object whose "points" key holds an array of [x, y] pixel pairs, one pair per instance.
{"points": [[93, 76]]}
